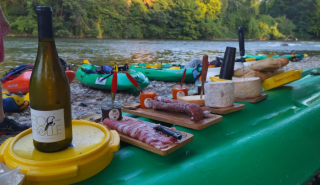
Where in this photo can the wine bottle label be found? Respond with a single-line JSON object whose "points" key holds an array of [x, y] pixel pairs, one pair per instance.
{"points": [[48, 126], [114, 114]]}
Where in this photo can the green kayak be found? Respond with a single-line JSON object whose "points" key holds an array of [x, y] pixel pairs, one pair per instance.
{"points": [[166, 73], [96, 80], [272, 142], [293, 58]]}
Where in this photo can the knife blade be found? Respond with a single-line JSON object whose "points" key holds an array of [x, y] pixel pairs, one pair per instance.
{"points": [[164, 130]]}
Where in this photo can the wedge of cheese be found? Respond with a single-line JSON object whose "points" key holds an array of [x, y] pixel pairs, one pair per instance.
{"points": [[192, 99]]}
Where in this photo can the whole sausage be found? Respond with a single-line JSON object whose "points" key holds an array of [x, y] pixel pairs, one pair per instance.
{"points": [[194, 110]]}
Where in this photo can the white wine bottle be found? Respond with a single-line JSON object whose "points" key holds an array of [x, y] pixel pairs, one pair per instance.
{"points": [[49, 92]]}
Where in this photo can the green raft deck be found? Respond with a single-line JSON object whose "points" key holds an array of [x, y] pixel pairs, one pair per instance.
{"points": [[96, 80], [165, 73], [275, 141]]}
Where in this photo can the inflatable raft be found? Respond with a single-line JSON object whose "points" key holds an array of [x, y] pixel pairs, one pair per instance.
{"points": [[21, 83], [103, 81], [292, 58], [275, 141], [165, 72]]}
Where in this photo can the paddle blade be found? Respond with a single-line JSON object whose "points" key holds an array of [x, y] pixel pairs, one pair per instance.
{"points": [[114, 83], [204, 68], [184, 76], [132, 80]]}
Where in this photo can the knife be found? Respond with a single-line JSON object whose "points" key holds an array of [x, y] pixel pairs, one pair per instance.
{"points": [[204, 73], [164, 130]]}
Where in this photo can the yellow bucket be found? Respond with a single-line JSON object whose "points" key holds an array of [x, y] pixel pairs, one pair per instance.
{"points": [[92, 151]]}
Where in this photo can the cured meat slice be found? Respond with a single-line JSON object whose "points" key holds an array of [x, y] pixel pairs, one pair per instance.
{"points": [[138, 130]]}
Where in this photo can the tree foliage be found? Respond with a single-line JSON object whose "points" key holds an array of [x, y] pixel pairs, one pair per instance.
{"points": [[170, 19]]}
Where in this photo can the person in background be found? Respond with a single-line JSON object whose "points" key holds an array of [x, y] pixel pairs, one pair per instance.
{"points": [[196, 61], [7, 126]]}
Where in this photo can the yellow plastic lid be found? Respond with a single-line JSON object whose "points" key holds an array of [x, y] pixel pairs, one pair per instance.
{"points": [[92, 151], [217, 79], [281, 79]]}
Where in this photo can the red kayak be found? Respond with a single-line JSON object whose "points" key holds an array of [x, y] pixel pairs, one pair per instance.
{"points": [[21, 83]]}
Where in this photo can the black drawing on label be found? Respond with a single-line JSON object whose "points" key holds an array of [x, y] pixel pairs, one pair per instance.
{"points": [[49, 123], [115, 115]]}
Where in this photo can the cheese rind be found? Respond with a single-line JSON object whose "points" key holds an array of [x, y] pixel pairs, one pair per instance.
{"points": [[219, 94], [247, 88]]}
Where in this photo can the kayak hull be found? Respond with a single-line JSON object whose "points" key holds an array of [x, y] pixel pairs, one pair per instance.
{"points": [[295, 57], [275, 141], [95, 80], [21, 83], [164, 74]]}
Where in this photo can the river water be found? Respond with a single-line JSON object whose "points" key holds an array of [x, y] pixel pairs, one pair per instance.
{"points": [[111, 51]]}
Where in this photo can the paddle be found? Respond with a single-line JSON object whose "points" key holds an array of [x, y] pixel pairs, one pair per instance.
{"points": [[204, 72], [241, 44], [114, 86], [184, 76], [133, 81]]}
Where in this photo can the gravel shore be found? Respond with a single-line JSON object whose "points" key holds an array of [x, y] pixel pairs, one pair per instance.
{"points": [[86, 100]]}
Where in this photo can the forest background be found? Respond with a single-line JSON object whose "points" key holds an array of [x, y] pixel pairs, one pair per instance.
{"points": [[171, 19]]}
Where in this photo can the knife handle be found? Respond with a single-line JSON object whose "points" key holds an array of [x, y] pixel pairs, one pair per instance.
{"points": [[169, 132]]}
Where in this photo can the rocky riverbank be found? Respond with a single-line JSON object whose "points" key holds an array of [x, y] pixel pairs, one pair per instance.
{"points": [[86, 100]]}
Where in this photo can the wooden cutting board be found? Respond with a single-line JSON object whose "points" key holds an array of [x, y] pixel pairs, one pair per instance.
{"points": [[176, 118], [186, 138], [193, 99], [252, 100], [226, 110]]}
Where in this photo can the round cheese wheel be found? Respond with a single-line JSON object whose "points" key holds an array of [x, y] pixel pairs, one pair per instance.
{"points": [[247, 87], [219, 94]]}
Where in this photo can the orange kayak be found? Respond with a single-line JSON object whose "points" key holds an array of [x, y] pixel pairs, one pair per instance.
{"points": [[21, 83]]}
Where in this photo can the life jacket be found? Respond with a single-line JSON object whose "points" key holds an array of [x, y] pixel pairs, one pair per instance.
{"points": [[105, 69], [14, 102], [216, 63], [15, 72], [121, 68]]}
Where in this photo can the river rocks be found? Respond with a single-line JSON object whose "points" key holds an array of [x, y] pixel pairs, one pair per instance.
{"points": [[93, 97], [82, 104], [284, 44]]}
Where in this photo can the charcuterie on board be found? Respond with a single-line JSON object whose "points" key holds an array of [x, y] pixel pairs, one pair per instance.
{"points": [[176, 118], [136, 132]]}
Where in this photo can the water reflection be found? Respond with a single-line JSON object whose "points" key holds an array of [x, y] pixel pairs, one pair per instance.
{"points": [[121, 51]]}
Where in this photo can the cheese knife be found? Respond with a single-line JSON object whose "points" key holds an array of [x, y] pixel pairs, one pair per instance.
{"points": [[164, 130]]}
